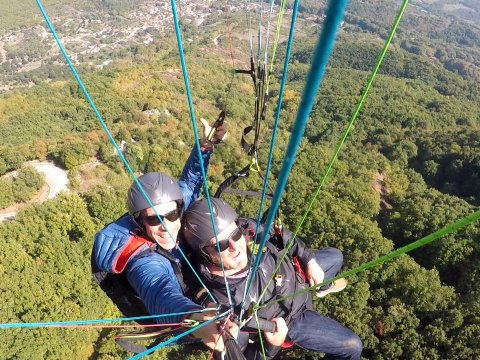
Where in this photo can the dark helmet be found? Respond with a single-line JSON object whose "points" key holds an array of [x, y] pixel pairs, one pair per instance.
{"points": [[197, 224], [159, 187]]}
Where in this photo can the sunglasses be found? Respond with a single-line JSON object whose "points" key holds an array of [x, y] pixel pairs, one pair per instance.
{"points": [[153, 220], [225, 243]]}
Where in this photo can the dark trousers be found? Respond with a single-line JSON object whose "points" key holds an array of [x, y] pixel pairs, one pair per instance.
{"points": [[316, 332], [330, 260]]}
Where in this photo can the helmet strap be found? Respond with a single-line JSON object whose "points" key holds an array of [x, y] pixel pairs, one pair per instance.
{"points": [[207, 258], [140, 227]]}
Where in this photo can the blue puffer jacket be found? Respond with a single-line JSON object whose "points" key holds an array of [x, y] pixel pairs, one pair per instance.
{"points": [[117, 249]]}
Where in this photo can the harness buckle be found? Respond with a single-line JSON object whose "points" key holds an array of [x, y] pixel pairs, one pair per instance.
{"points": [[278, 226], [254, 248], [190, 323], [254, 164]]}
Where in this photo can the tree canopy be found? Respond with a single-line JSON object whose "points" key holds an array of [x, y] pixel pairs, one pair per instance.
{"points": [[410, 167]]}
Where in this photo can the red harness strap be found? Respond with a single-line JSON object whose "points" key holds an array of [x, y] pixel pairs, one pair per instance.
{"points": [[287, 344], [298, 268], [134, 244]]}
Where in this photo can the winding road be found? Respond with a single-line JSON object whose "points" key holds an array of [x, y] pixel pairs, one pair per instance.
{"points": [[56, 180]]}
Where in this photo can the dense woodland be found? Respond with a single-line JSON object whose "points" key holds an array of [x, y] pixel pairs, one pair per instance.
{"points": [[410, 167]]}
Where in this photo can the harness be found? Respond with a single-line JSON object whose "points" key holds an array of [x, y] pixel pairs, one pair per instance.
{"points": [[259, 79], [118, 289], [116, 286], [289, 280]]}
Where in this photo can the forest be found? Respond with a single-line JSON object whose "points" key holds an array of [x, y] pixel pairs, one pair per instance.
{"points": [[410, 167]]}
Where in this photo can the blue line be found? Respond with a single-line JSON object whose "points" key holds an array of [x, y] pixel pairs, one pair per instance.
{"points": [[175, 338], [274, 135], [112, 140], [96, 321], [335, 15], [195, 133]]}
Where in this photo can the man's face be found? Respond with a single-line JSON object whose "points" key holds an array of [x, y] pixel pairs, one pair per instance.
{"points": [[234, 257], [156, 231]]}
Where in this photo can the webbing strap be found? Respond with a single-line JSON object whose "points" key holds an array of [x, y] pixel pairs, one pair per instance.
{"points": [[244, 173], [134, 245], [259, 78], [248, 148], [335, 14], [248, 72], [246, 193], [232, 349], [231, 180], [127, 341]]}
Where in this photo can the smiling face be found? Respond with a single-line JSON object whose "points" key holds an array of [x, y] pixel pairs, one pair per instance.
{"points": [[234, 257], [157, 232]]}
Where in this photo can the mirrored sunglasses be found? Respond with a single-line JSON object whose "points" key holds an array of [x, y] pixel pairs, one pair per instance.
{"points": [[153, 220], [225, 243]]}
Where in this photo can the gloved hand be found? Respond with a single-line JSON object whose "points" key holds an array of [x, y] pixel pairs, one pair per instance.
{"points": [[219, 134]]}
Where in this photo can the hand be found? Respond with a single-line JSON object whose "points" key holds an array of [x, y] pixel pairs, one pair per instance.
{"points": [[278, 337], [210, 333], [232, 328], [219, 134], [314, 273]]}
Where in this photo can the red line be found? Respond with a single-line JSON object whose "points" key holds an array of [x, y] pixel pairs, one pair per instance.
{"points": [[221, 332]]}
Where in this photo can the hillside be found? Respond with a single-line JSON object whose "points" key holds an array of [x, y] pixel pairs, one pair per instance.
{"points": [[414, 148]]}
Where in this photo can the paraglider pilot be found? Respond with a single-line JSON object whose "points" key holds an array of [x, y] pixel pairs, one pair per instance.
{"points": [[294, 317], [138, 252]]}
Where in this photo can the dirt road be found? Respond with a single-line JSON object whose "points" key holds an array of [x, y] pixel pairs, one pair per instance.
{"points": [[56, 180]]}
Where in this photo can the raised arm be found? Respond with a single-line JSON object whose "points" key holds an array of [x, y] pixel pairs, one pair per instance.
{"points": [[191, 180]]}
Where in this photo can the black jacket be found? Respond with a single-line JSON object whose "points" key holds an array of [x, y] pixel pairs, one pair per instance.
{"points": [[288, 280]]}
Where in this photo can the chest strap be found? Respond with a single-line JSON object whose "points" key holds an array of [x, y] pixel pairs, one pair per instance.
{"points": [[133, 246]]}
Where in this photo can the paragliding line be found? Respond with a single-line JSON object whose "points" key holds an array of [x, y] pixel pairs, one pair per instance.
{"points": [[392, 255], [97, 321], [274, 131], [175, 338], [112, 140], [322, 52], [340, 144], [197, 140]]}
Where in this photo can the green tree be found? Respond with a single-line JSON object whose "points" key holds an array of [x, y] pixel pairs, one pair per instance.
{"points": [[105, 204]]}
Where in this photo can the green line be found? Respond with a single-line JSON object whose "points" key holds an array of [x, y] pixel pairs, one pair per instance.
{"points": [[321, 55], [392, 255], [341, 142], [277, 34], [262, 347], [354, 117], [275, 43]]}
